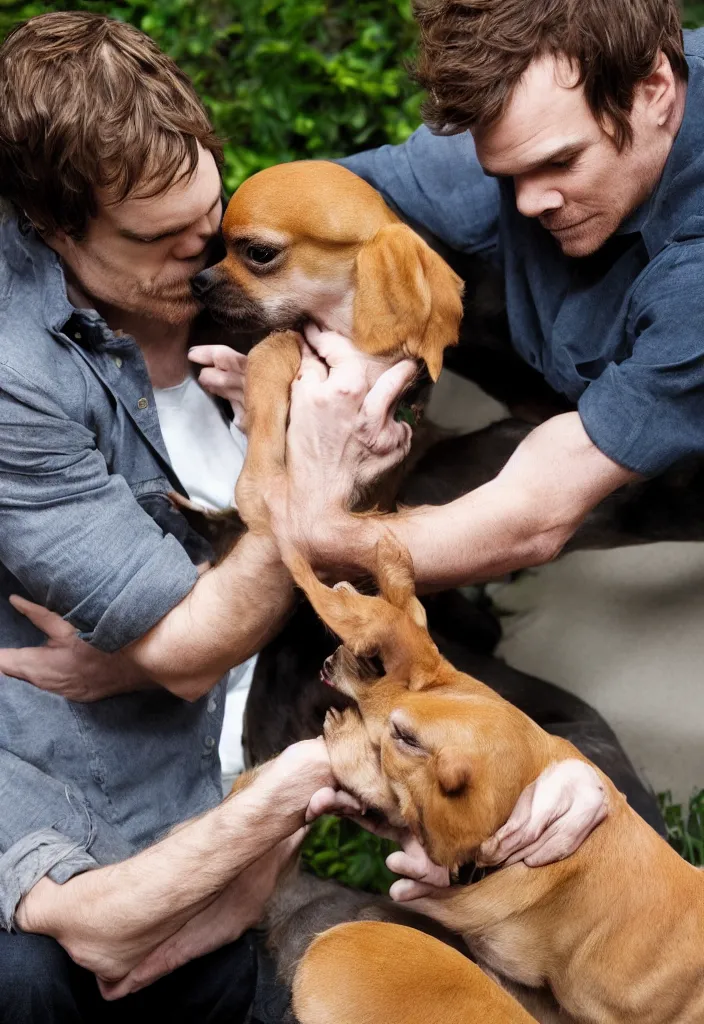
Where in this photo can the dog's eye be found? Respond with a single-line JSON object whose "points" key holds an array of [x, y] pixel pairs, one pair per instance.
{"points": [[405, 737], [261, 254], [376, 665]]}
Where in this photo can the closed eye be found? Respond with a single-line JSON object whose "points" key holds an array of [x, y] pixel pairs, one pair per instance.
{"points": [[406, 737]]}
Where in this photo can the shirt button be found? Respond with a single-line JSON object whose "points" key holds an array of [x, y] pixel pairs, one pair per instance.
{"points": [[118, 362], [142, 403], [212, 705], [78, 335], [209, 742]]}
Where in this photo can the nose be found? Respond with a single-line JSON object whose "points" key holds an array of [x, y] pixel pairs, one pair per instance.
{"points": [[202, 283], [533, 199]]}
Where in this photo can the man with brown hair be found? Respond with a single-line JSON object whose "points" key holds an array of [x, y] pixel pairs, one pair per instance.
{"points": [[111, 170], [571, 154]]}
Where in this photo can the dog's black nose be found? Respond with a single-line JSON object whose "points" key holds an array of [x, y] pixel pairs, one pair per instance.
{"points": [[202, 283]]}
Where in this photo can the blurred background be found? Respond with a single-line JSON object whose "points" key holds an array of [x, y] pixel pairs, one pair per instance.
{"points": [[290, 79]]}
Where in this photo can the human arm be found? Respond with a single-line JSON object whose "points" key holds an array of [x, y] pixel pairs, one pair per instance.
{"points": [[76, 538], [110, 919], [522, 517]]}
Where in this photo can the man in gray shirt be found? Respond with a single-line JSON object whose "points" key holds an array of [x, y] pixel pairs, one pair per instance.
{"points": [[112, 172]]}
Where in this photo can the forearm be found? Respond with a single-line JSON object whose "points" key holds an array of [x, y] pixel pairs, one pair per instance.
{"points": [[232, 611], [478, 537], [157, 891], [521, 518]]}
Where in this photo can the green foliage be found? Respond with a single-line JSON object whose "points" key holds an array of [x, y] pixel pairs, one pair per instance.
{"points": [[685, 828], [282, 79], [337, 848]]}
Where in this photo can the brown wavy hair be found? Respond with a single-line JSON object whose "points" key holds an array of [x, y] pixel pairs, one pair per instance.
{"points": [[88, 102], [473, 53]]}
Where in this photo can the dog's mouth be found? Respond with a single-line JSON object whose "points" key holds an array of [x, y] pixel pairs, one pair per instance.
{"points": [[326, 673]]}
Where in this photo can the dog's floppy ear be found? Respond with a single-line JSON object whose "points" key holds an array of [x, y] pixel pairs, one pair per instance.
{"points": [[452, 770], [371, 625], [394, 574], [406, 299]]}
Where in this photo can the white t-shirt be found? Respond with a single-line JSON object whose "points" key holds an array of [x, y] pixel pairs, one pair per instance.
{"points": [[207, 455]]}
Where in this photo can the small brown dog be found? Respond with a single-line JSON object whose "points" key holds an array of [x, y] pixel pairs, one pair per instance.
{"points": [[312, 242], [615, 932]]}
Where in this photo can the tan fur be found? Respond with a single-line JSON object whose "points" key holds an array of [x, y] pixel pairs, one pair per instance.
{"points": [[345, 261], [376, 973], [344, 245], [616, 931]]}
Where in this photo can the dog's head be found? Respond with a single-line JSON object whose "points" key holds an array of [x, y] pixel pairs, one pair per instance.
{"points": [[312, 241], [427, 746]]}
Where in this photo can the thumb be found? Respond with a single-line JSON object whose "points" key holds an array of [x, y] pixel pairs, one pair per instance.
{"points": [[49, 622], [387, 390]]}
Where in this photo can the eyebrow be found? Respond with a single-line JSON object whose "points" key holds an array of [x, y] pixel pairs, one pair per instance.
{"points": [[563, 153], [168, 232]]}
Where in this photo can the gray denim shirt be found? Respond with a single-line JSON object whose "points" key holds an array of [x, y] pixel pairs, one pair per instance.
{"points": [[86, 529]]}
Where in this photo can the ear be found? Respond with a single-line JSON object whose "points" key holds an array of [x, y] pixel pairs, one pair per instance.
{"points": [[368, 625], [452, 770], [394, 573], [407, 298]]}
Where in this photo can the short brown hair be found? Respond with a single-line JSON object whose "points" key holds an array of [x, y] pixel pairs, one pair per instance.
{"points": [[88, 102], [473, 53]]}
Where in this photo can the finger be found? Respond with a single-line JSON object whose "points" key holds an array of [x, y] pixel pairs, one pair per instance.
{"points": [[419, 869], [521, 829], [213, 379], [386, 391], [562, 839], [312, 369], [27, 663], [378, 828], [218, 355], [405, 889], [331, 801], [49, 622], [333, 348]]}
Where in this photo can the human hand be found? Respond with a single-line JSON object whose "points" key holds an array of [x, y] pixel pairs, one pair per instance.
{"points": [[553, 817], [238, 907], [341, 437], [421, 875], [66, 665], [223, 374], [341, 421]]}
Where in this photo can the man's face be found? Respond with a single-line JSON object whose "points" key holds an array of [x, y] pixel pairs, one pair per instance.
{"points": [[567, 171], [138, 256]]}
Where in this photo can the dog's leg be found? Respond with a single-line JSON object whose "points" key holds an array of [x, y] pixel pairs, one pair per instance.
{"points": [[272, 366], [383, 973]]}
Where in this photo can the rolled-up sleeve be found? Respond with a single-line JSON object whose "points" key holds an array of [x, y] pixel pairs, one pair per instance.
{"points": [[438, 182], [647, 412], [72, 532], [46, 828]]}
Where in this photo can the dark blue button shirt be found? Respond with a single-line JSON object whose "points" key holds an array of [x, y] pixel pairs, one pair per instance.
{"points": [[621, 333], [86, 529]]}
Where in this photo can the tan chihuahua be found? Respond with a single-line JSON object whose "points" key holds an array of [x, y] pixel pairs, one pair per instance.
{"points": [[615, 933], [312, 242]]}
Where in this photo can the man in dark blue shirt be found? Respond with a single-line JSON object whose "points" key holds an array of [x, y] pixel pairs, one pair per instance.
{"points": [[577, 165]]}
